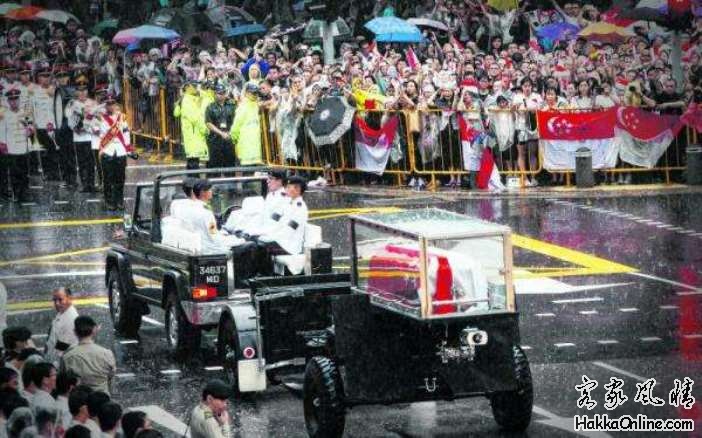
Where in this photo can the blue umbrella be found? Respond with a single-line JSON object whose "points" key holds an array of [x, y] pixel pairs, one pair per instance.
{"points": [[263, 65], [144, 32], [394, 30], [246, 29]]}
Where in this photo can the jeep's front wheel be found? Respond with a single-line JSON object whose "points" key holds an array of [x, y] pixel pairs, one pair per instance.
{"points": [[323, 399], [512, 409], [183, 338], [126, 317]]}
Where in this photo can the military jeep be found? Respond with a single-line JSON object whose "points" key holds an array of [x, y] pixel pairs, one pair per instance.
{"points": [[431, 316]]}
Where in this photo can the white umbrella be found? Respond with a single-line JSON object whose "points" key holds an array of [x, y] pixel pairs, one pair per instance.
{"points": [[56, 15], [426, 22], [7, 7]]}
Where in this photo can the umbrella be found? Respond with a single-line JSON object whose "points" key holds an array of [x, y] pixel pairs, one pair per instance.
{"points": [[606, 33], [56, 15], [262, 65], [24, 13], [144, 32], [7, 7], [329, 121], [110, 23], [394, 30], [246, 29], [426, 22], [558, 31]]}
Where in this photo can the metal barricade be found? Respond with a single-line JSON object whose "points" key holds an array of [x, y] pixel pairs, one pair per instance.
{"points": [[147, 117]]}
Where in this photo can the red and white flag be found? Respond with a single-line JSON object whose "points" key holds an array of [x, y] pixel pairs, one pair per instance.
{"points": [[412, 60], [489, 175], [373, 145], [642, 136], [693, 117], [562, 133]]}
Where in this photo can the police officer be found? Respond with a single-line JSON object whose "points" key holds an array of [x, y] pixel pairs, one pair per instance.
{"points": [[77, 111], [15, 130], [219, 117], [192, 126], [42, 103], [114, 148], [287, 236], [210, 418]]}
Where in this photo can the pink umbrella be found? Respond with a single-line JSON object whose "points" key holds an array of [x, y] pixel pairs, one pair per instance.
{"points": [[24, 13]]}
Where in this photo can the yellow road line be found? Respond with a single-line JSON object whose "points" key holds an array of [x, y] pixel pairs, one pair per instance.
{"points": [[66, 223], [37, 305], [54, 256], [98, 264]]}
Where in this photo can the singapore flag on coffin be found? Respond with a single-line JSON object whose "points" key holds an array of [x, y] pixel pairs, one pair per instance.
{"points": [[562, 133], [641, 137]]}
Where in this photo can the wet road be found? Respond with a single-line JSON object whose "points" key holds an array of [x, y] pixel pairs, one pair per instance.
{"points": [[607, 287]]}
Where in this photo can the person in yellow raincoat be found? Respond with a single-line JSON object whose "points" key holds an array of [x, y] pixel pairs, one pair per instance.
{"points": [[246, 128], [192, 126]]}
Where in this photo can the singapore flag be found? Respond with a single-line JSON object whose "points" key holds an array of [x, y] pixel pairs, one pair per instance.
{"points": [[563, 133], [642, 136]]}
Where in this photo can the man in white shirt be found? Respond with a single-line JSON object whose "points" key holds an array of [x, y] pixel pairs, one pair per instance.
{"points": [[61, 334], [44, 379], [115, 146]]}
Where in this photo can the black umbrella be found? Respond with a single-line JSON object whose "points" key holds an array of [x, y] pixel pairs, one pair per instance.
{"points": [[329, 121]]}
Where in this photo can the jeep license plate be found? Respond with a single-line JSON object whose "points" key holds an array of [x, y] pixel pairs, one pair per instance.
{"points": [[211, 273]]}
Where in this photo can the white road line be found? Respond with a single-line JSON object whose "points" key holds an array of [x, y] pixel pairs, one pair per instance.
{"points": [[656, 223], [651, 339], [564, 344], [664, 226], [525, 347], [646, 221], [545, 315], [668, 307], [341, 258], [607, 341], [693, 336], [577, 300], [93, 201], [54, 275], [214, 368], [629, 309], [619, 371], [689, 232], [28, 204], [588, 312], [688, 293], [125, 375], [36, 187], [60, 202], [170, 372], [129, 341], [663, 280]]}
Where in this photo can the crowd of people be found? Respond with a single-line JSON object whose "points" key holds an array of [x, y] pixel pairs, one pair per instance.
{"points": [[481, 62], [64, 389]]}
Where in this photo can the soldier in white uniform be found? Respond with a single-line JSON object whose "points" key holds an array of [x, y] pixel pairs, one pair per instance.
{"points": [[77, 111], [14, 132], [42, 104], [114, 148], [61, 335], [287, 237], [201, 219], [94, 118], [273, 207], [180, 206], [26, 88], [210, 418]]}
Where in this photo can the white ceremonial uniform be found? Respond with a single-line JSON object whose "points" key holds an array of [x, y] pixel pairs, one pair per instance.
{"points": [[116, 147], [179, 207], [26, 95], [94, 120], [201, 219], [42, 102], [273, 209], [61, 332], [13, 133], [248, 218], [75, 114], [289, 232]]}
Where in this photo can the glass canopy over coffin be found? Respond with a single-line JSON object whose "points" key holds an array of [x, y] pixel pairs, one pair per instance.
{"points": [[433, 263]]}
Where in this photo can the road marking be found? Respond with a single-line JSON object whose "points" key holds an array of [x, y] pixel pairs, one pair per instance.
{"points": [[170, 422], [663, 280], [607, 341], [60, 202], [125, 375], [619, 371], [545, 315], [588, 312], [577, 300], [651, 339], [525, 347], [62, 223], [214, 368], [564, 423], [28, 204], [693, 336], [170, 372], [628, 309], [36, 187], [92, 201], [688, 293], [53, 275], [39, 305], [129, 341], [668, 307], [564, 344], [55, 256]]}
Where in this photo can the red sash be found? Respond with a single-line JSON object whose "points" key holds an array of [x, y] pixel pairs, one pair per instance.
{"points": [[114, 132]]}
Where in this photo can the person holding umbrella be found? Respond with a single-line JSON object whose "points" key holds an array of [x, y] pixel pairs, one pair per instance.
{"points": [[246, 128]]}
